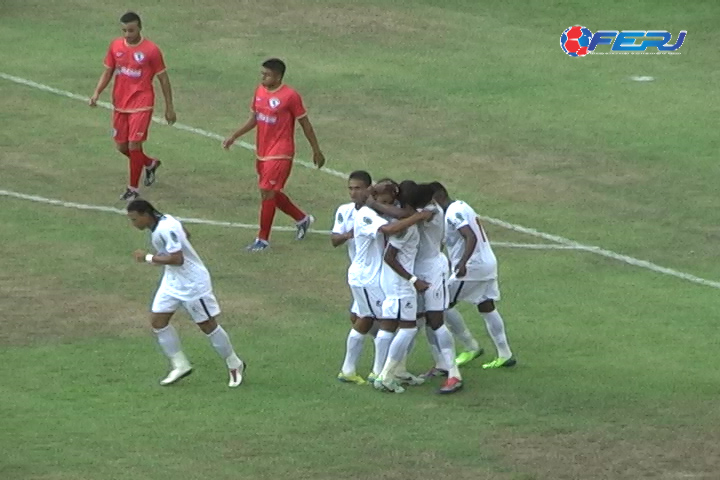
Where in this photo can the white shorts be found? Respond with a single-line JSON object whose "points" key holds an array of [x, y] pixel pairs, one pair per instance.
{"points": [[354, 308], [369, 302], [400, 309], [200, 310], [473, 291], [434, 299]]}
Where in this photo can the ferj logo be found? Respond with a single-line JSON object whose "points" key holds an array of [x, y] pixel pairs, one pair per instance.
{"points": [[579, 41]]}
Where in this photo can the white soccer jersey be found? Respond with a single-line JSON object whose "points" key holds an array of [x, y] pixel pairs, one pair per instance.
{"points": [[369, 246], [431, 262], [188, 281], [344, 223], [482, 265], [395, 286]]}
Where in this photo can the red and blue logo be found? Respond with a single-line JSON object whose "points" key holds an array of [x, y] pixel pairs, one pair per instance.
{"points": [[578, 41]]}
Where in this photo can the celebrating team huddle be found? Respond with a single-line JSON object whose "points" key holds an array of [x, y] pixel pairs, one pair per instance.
{"points": [[400, 277]]}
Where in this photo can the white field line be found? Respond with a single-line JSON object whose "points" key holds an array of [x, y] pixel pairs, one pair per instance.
{"points": [[202, 221], [510, 226]]}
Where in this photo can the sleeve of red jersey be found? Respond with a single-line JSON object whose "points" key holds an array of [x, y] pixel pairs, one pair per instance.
{"points": [[157, 62], [252, 101], [109, 61], [296, 106]]}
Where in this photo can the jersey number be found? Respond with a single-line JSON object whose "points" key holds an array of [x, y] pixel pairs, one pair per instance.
{"points": [[482, 231]]}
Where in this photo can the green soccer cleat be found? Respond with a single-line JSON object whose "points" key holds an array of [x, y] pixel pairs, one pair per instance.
{"points": [[500, 362], [371, 378], [356, 379], [466, 357]]}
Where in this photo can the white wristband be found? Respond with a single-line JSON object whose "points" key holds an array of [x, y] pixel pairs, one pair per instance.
{"points": [[149, 258], [413, 279]]}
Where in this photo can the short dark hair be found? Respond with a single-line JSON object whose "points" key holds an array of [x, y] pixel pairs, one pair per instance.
{"points": [[130, 17], [423, 195], [407, 192], [439, 188], [361, 175], [276, 65], [143, 207]]}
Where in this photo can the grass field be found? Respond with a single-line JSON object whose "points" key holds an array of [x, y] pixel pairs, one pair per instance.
{"points": [[618, 374]]}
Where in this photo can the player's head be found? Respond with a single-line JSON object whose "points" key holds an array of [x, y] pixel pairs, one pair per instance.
{"points": [[130, 24], [358, 183], [386, 191], [440, 194], [142, 214], [422, 195], [407, 191], [272, 73]]}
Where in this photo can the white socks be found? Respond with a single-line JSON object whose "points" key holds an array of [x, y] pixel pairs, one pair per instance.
{"points": [[221, 343], [353, 349], [169, 342], [382, 345], [398, 350], [434, 348], [457, 326], [446, 345], [496, 329]]}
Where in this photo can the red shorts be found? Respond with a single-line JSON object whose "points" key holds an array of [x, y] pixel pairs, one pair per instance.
{"points": [[273, 174], [131, 127]]}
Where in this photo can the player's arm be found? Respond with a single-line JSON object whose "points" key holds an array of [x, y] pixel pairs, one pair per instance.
{"points": [[103, 82], [309, 131], [338, 239], [249, 125], [470, 244], [175, 258], [389, 210], [390, 258], [166, 88], [400, 225]]}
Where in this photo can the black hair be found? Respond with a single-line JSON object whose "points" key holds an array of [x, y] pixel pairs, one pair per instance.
{"points": [[361, 175], [130, 17], [423, 195], [439, 188], [395, 187], [407, 192], [276, 65], [143, 207]]}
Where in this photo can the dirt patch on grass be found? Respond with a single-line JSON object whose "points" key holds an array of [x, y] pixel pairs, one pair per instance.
{"points": [[663, 454]]}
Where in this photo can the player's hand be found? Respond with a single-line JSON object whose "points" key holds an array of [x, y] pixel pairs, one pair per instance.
{"points": [[421, 285], [93, 100], [139, 256], [425, 215], [170, 116], [461, 270], [318, 159], [227, 143]]}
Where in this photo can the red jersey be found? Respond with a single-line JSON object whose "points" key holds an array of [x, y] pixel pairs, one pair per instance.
{"points": [[275, 113], [135, 67]]}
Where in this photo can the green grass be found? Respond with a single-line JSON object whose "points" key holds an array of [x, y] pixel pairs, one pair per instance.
{"points": [[617, 375]]}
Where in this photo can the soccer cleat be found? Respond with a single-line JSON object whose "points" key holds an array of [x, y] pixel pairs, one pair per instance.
{"points": [[354, 378], [303, 226], [150, 173], [466, 357], [452, 385], [257, 246], [500, 362], [407, 378], [236, 375], [371, 378], [434, 372], [176, 374], [129, 195], [388, 385]]}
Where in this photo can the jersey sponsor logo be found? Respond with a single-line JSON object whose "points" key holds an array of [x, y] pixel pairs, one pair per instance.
{"points": [[118, 54], [129, 72], [274, 102], [261, 117], [139, 57]]}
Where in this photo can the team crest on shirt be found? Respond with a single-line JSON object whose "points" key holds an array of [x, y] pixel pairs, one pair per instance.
{"points": [[367, 220], [340, 218], [173, 236], [139, 57], [274, 102]]}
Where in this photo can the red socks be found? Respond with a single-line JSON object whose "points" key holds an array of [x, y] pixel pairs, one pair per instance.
{"points": [[137, 162], [288, 207], [267, 214]]}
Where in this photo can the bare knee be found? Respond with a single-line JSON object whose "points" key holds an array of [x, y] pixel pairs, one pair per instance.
{"points": [[363, 325], [208, 326], [435, 319], [160, 320], [123, 148], [486, 307], [134, 145], [267, 194]]}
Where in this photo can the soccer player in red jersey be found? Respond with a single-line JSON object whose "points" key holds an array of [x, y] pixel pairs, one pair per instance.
{"points": [[134, 61], [275, 107]]}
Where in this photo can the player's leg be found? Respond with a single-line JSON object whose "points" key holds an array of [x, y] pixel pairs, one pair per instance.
{"points": [[446, 345], [281, 173], [458, 291], [204, 312], [355, 342], [487, 293], [138, 128], [267, 206], [120, 133], [163, 308], [404, 313]]}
